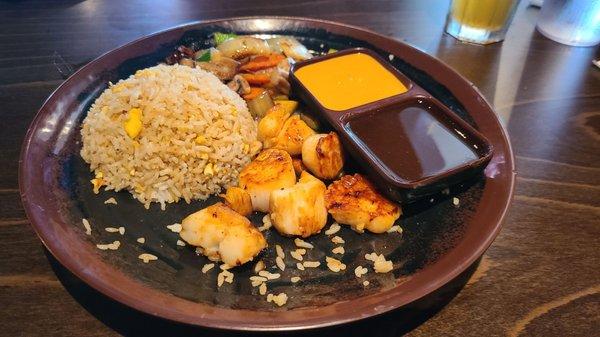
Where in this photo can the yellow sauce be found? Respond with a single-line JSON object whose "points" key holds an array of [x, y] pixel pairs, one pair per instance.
{"points": [[349, 81]]}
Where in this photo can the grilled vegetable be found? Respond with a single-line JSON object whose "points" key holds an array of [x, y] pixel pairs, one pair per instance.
{"points": [[222, 37], [259, 102], [243, 46], [262, 62], [290, 47], [224, 68]]}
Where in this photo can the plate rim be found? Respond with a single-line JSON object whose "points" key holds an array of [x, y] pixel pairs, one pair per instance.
{"points": [[145, 306]]}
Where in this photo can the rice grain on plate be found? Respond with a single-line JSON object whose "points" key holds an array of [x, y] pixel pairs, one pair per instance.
{"points": [[193, 137]]}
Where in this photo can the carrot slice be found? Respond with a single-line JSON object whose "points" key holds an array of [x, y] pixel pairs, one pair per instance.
{"points": [[262, 62], [254, 92], [258, 79]]}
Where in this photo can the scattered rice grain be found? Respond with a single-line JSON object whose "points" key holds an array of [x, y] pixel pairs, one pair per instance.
{"points": [[366, 283], [266, 223], [147, 257], [262, 289], [110, 200], [86, 225], [269, 276], [296, 255], [280, 299], [175, 228], [338, 250], [258, 278], [295, 279], [260, 265], [311, 264], [220, 279], [303, 244], [335, 265], [337, 239], [112, 246], [394, 229], [280, 264], [455, 201], [300, 266], [279, 251], [334, 228], [180, 243], [141, 240], [207, 267], [360, 271]]}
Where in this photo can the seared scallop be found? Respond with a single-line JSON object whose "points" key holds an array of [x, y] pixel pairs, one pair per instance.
{"points": [[322, 155], [299, 209], [298, 165], [352, 200], [238, 200], [291, 137], [270, 125], [271, 170], [223, 235]]}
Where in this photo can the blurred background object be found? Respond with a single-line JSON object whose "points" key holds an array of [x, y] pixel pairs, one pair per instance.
{"points": [[571, 22], [480, 21]]}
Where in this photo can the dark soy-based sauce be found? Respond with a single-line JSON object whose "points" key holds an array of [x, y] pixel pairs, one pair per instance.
{"points": [[410, 142]]}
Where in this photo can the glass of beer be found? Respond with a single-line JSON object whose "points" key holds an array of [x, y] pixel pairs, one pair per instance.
{"points": [[480, 21]]}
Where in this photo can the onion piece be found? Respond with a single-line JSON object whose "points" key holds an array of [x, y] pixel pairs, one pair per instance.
{"points": [[260, 105], [290, 47], [243, 46]]}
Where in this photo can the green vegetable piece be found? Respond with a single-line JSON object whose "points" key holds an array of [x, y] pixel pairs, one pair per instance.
{"points": [[205, 57], [222, 37]]}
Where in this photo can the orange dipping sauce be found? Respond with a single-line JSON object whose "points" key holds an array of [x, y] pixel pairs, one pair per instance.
{"points": [[349, 81]]}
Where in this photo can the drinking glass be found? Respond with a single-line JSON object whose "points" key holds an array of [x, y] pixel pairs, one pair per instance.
{"points": [[480, 21], [571, 22]]}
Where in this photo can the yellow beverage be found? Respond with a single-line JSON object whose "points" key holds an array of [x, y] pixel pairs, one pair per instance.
{"points": [[483, 14]]}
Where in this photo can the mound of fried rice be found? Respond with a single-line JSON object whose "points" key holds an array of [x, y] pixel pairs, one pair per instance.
{"points": [[196, 135]]}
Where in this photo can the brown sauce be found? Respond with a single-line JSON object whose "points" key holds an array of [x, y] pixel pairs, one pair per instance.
{"points": [[410, 142]]}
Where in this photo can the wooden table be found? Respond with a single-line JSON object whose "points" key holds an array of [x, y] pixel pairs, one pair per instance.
{"points": [[540, 277]]}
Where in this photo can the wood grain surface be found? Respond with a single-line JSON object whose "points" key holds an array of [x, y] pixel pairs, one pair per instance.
{"points": [[541, 277]]}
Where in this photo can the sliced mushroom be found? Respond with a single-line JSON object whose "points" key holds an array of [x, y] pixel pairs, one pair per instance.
{"points": [[224, 68], [239, 85]]}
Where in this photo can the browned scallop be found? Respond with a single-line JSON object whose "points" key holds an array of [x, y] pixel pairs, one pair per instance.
{"points": [[271, 170], [291, 137], [223, 235], [298, 165], [352, 200], [322, 155], [239, 200], [299, 209]]}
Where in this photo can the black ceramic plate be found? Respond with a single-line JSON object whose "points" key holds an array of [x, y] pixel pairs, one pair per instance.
{"points": [[440, 240]]}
